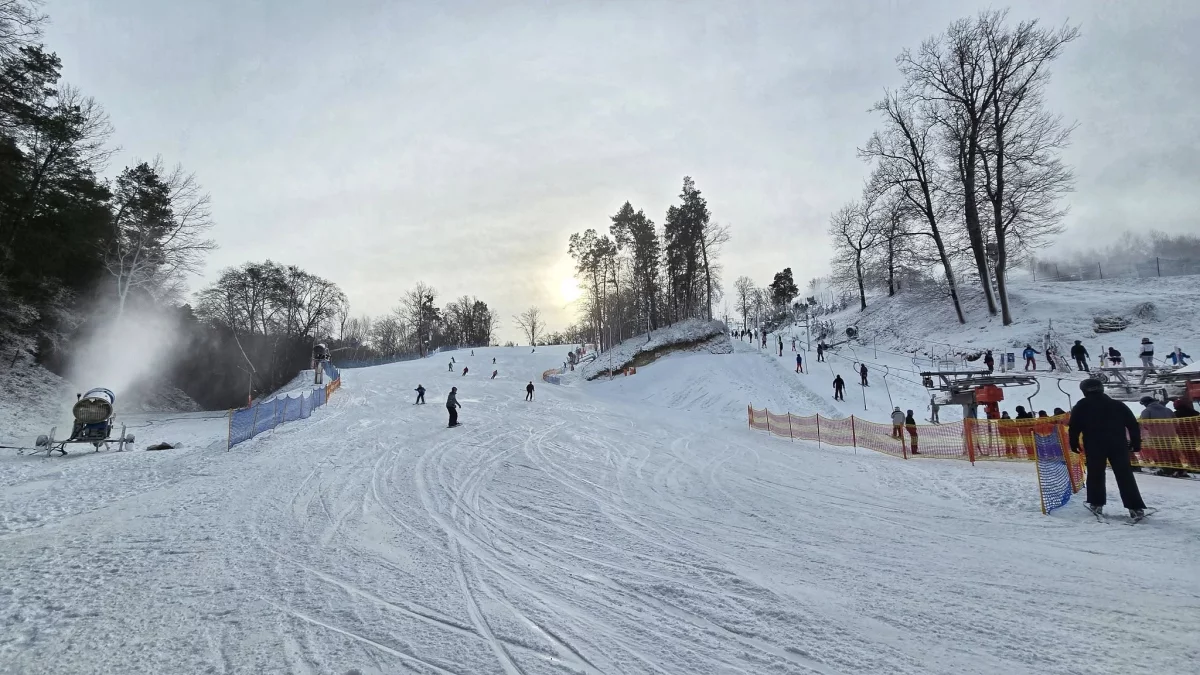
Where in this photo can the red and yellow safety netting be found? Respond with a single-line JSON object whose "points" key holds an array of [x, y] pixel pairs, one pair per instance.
{"points": [[1165, 443]]}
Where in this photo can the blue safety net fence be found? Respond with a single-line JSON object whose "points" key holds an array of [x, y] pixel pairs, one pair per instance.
{"points": [[1054, 473], [264, 416]]}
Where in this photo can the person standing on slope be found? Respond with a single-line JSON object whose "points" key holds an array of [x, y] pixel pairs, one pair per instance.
{"points": [[793, 344], [1146, 354], [1110, 432], [780, 338], [1178, 358], [1028, 354], [820, 351], [799, 364], [839, 388], [529, 391], [495, 373], [989, 361], [420, 395], [1080, 354], [862, 372], [452, 406], [898, 424], [450, 366], [911, 424], [466, 369]]}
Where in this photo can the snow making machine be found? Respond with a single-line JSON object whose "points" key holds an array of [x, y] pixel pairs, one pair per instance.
{"points": [[94, 424]]}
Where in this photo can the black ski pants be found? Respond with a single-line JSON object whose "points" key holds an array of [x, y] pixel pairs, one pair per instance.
{"points": [[421, 397], [1081, 364], [839, 395], [529, 396], [1131, 498], [453, 414]]}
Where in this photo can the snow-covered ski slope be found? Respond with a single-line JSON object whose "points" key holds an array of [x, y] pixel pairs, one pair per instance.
{"points": [[917, 331], [594, 530]]}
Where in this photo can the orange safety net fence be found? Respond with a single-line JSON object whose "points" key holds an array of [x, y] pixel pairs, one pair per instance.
{"points": [[1173, 443]]}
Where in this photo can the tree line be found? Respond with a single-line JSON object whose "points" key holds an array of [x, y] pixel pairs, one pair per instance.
{"points": [[966, 174], [76, 246], [637, 277]]}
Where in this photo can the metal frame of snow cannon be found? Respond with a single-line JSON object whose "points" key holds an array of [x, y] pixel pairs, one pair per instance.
{"points": [[94, 423]]}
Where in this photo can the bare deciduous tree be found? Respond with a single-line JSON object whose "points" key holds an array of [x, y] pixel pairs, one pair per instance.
{"points": [[906, 153], [1023, 174], [530, 322], [855, 234]]}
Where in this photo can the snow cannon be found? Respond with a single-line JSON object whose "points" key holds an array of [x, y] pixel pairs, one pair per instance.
{"points": [[320, 356], [94, 413]]}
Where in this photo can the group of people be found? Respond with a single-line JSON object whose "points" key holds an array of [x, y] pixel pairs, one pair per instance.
{"points": [[1177, 357], [902, 422]]}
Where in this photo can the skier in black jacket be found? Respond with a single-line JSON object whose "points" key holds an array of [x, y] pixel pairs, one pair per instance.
{"points": [[1080, 354], [420, 394], [529, 391], [839, 388], [1104, 423], [452, 406]]}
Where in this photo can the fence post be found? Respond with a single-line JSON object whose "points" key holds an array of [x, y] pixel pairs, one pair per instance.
{"points": [[853, 433], [970, 438], [229, 432], [818, 430], [1158, 265], [750, 416], [790, 426], [254, 424], [1100, 270], [768, 412]]}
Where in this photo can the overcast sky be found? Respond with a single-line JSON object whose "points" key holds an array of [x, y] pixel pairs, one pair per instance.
{"points": [[378, 143]]}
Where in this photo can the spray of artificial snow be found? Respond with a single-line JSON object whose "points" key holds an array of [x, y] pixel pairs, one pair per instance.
{"points": [[123, 352]]}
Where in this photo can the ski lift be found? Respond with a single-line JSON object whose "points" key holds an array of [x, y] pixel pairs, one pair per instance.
{"points": [[94, 422]]}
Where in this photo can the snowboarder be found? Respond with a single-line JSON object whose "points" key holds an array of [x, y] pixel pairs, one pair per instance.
{"points": [[910, 423], [1080, 354], [862, 372], [529, 391], [452, 406], [420, 395], [897, 423], [1147, 353], [1178, 358], [465, 370], [989, 361], [820, 351], [1114, 357], [839, 388], [799, 363], [1030, 363], [1103, 423], [495, 373]]}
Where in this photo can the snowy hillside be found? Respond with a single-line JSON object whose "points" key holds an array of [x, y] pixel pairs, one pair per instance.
{"points": [[913, 332], [688, 335], [626, 526]]}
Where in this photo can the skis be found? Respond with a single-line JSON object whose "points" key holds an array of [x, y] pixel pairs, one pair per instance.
{"points": [[1129, 520]]}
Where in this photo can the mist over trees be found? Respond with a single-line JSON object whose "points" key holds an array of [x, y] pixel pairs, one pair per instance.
{"points": [[637, 277], [966, 173]]}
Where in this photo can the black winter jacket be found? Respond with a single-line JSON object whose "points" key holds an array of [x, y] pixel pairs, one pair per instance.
{"points": [[1103, 423]]}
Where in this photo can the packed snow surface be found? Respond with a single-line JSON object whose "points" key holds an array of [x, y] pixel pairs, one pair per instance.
{"points": [[625, 526]]}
